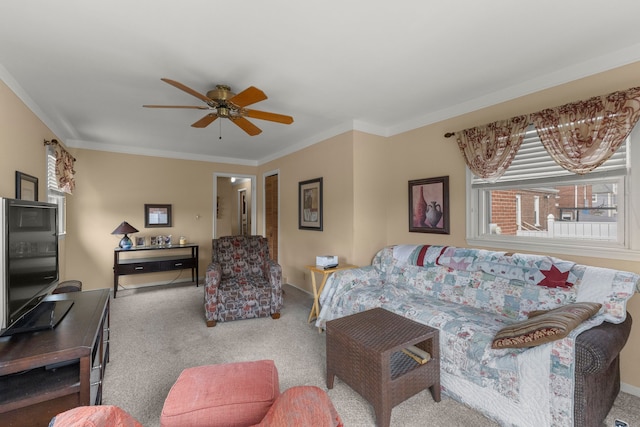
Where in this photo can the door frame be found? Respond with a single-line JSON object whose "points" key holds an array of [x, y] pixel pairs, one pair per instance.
{"points": [[242, 205], [264, 203], [215, 198]]}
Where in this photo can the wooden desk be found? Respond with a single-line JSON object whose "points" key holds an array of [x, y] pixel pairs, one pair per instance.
{"points": [[315, 309], [154, 264], [47, 372]]}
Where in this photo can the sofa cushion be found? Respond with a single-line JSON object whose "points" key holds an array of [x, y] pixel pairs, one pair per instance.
{"points": [[544, 326], [241, 255], [229, 394]]}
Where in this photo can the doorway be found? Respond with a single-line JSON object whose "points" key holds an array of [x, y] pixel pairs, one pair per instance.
{"points": [[227, 204]]}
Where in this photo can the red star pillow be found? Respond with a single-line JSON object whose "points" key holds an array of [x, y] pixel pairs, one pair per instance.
{"points": [[554, 278]]}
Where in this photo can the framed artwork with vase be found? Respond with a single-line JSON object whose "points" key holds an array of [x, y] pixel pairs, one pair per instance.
{"points": [[429, 205], [310, 204]]}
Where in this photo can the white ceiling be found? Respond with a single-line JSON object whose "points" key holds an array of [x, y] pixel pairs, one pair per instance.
{"points": [[87, 67]]}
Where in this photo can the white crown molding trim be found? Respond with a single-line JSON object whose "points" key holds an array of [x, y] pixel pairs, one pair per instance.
{"points": [[370, 128], [592, 66], [319, 137], [12, 84], [158, 153]]}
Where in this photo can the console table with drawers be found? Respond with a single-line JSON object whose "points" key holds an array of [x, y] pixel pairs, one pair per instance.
{"points": [[181, 257]]}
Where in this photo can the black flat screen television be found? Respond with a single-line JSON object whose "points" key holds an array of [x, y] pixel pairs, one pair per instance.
{"points": [[29, 265]]}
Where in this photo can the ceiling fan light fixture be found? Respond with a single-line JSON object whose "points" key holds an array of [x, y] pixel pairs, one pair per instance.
{"points": [[220, 93], [223, 111]]}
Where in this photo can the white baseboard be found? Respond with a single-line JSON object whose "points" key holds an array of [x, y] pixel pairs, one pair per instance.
{"points": [[133, 286], [630, 389], [300, 289]]}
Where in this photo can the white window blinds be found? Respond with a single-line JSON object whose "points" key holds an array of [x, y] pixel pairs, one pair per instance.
{"points": [[52, 180], [533, 165]]}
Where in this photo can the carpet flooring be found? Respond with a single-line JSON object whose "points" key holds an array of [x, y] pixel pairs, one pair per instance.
{"points": [[156, 332]]}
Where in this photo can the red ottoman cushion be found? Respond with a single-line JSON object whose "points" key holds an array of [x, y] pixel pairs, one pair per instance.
{"points": [[302, 406], [94, 416], [231, 394]]}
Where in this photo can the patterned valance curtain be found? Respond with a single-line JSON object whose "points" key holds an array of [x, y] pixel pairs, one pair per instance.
{"points": [[580, 136], [65, 174], [489, 150]]}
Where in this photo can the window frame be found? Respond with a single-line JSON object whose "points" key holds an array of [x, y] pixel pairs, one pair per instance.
{"points": [[629, 208], [54, 195]]}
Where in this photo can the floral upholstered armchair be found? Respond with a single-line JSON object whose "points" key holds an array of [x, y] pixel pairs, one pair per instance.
{"points": [[242, 281]]}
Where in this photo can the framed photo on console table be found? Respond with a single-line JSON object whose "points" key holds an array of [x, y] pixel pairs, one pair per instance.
{"points": [[310, 204], [429, 205]]}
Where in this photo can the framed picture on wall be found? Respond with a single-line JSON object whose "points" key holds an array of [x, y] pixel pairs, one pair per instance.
{"points": [[26, 187], [429, 205], [310, 204], [157, 215]]}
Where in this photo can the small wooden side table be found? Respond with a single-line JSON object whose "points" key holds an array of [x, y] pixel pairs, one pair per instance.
{"points": [[365, 351], [315, 309]]}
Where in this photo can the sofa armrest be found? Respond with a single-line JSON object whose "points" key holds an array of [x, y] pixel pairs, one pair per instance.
{"points": [[343, 281], [212, 279], [597, 347], [274, 273], [213, 275]]}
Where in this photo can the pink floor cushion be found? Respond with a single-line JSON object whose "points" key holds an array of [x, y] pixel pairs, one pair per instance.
{"points": [[302, 406], [94, 416], [231, 394]]}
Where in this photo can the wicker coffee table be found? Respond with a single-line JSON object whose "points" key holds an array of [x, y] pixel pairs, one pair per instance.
{"points": [[365, 351]]}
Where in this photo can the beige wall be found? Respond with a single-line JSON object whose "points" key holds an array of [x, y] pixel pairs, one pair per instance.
{"points": [[114, 187], [332, 160], [370, 196], [22, 136], [365, 191]]}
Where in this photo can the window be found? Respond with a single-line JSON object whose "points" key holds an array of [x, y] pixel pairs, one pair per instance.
{"points": [[54, 195], [539, 206]]}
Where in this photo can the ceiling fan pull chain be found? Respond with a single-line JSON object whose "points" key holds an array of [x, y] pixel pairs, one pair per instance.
{"points": [[220, 123]]}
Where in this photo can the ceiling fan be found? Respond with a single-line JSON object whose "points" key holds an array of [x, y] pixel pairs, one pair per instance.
{"points": [[228, 105]]}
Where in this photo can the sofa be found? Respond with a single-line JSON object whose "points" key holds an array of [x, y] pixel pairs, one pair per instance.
{"points": [[528, 340], [242, 281]]}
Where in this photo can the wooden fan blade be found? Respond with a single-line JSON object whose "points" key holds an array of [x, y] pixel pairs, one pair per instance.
{"points": [[249, 96], [202, 107], [188, 90], [264, 115], [205, 121], [246, 126]]}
